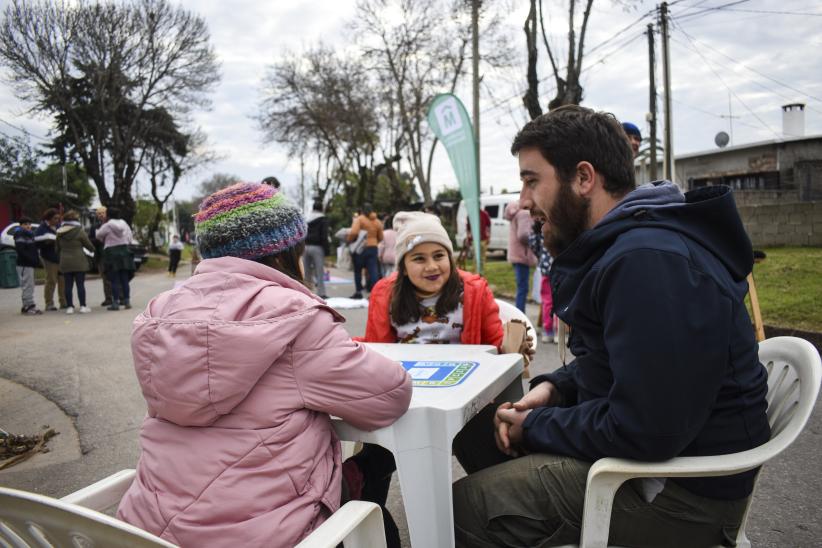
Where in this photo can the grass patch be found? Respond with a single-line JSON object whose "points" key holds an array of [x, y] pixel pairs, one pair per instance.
{"points": [[788, 283], [789, 286]]}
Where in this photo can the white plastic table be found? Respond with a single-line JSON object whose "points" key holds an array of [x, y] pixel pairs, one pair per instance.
{"points": [[421, 439]]}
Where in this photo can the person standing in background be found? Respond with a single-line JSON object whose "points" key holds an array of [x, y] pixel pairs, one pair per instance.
{"points": [[485, 235], [272, 181], [385, 250], [175, 252], [634, 136], [316, 248], [71, 239], [519, 254], [27, 261], [549, 321], [46, 236], [117, 257], [367, 258], [100, 213]]}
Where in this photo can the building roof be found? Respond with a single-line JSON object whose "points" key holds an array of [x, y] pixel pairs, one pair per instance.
{"points": [[757, 144]]}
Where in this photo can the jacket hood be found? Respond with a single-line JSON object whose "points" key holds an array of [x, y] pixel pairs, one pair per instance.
{"points": [[200, 348], [118, 227], [706, 215], [70, 230]]}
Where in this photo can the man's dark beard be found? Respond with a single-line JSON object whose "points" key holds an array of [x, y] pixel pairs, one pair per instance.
{"points": [[567, 219]]}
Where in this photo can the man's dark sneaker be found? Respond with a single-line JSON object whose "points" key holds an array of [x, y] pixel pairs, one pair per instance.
{"points": [[127, 305], [324, 297], [112, 306], [356, 296], [31, 310], [106, 302], [51, 308]]}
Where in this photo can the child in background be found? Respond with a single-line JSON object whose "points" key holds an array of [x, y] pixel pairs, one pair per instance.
{"points": [[385, 250], [71, 240], [175, 252], [426, 301], [241, 366], [27, 261], [549, 321]]}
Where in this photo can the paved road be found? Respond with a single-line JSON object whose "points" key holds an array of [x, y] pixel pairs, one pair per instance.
{"points": [[75, 374]]}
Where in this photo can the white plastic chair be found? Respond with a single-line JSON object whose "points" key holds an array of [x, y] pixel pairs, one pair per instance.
{"points": [[794, 375], [28, 519], [508, 312]]}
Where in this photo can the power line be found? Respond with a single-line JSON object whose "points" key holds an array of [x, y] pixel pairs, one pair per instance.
{"points": [[777, 12], [774, 80], [601, 44], [24, 131], [712, 8], [719, 77]]}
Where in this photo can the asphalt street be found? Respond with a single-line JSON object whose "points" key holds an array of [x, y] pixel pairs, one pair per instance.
{"points": [[74, 373]]}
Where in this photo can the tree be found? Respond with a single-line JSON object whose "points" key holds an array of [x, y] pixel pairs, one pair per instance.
{"points": [[33, 188], [418, 49], [568, 88], [100, 70], [323, 102], [170, 154]]}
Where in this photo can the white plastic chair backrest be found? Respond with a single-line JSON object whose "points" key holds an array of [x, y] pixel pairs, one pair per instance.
{"points": [[794, 376], [28, 519], [508, 312]]}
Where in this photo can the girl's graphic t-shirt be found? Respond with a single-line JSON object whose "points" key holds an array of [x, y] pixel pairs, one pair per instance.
{"points": [[431, 328]]}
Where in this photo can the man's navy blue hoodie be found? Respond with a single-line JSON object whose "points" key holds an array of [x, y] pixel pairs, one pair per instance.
{"points": [[666, 361]]}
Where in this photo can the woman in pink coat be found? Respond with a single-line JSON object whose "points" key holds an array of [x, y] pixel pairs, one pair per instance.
{"points": [[241, 366]]}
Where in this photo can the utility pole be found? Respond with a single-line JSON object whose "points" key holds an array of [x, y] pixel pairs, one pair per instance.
{"points": [[668, 163], [652, 104], [475, 4]]}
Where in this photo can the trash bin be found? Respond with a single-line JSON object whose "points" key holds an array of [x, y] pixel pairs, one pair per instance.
{"points": [[8, 268]]}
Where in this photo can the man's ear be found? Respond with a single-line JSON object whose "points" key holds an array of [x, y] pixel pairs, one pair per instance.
{"points": [[586, 178]]}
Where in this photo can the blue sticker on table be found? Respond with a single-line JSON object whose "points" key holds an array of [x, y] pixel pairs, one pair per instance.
{"points": [[436, 374]]}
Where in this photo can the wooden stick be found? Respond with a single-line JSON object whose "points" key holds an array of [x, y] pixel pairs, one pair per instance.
{"points": [[758, 325]]}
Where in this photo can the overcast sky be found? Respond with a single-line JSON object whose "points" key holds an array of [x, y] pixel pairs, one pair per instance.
{"points": [[745, 59]]}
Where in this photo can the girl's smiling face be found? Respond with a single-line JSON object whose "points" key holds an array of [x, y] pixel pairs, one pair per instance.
{"points": [[428, 266]]}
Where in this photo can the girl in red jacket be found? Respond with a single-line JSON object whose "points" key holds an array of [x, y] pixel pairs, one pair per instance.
{"points": [[426, 301]]}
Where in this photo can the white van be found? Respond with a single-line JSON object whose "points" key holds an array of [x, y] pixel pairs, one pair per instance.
{"points": [[494, 205]]}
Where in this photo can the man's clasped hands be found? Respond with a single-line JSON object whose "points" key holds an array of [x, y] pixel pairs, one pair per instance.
{"points": [[508, 420]]}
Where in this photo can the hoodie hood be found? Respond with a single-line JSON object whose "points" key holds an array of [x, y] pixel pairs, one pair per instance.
{"points": [[200, 348], [118, 227], [70, 230], [707, 215], [313, 216]]}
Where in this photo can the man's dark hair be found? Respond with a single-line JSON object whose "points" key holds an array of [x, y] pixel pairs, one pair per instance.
{"points": [[573, 134], [367, 209], [273, 181], [49, 213], [113, 213], [25, 221]]}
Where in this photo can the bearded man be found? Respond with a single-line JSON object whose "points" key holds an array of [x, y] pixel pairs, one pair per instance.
{"points": [[652, 285]]}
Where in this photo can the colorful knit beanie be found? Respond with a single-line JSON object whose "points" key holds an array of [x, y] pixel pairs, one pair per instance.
{"points": [[247, 220]]}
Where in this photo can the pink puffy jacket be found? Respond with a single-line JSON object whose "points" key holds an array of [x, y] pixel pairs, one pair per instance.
{"points": [[240, 367]]}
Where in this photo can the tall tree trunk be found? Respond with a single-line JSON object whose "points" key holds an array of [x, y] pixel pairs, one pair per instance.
{"points": [[531, 97]]}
